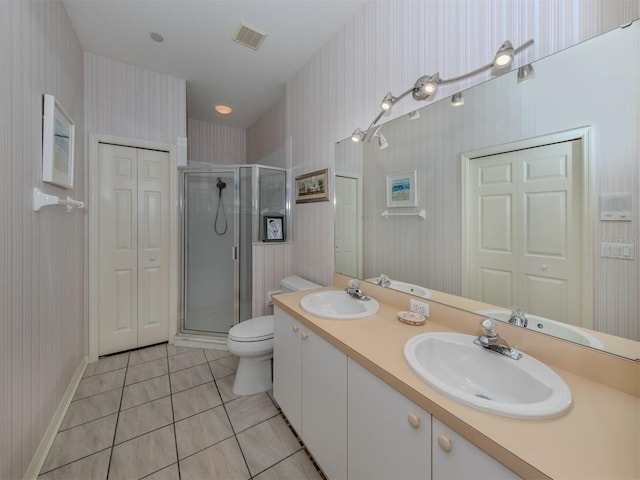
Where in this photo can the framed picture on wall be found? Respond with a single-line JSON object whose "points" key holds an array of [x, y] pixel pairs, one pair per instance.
{"points": [[274, 228], [313, 187], [402, 189], [58, 139]]}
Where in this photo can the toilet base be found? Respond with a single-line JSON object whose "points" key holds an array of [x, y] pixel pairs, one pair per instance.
{"points": [[254, 375]]}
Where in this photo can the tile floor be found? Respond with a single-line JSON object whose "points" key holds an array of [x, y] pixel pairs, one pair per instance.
{"points": [[168, 412]]}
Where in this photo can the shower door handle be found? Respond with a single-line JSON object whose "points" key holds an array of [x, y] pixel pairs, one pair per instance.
{"points": [[234, 253]]}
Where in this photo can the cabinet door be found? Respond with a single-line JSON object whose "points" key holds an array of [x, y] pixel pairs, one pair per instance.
{"points": [[456, 458], [388, 435], [287, 368], [324, 404]]}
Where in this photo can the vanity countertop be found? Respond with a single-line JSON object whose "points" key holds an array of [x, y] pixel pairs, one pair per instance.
{"points": [[598, 438]]}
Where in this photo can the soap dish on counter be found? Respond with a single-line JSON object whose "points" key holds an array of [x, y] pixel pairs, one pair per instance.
{"points": [[411, 318]]}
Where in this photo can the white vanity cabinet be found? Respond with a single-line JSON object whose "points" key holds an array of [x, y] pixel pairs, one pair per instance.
{"points": [[389, 436], [455, 458], [310, 385]]}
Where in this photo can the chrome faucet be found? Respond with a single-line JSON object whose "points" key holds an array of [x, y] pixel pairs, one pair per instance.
{"points": [[383, 280], [518, 317], [493, 341], [354, 290]]}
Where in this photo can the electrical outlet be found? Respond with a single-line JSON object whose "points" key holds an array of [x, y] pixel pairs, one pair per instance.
{"points": [[419, 307]]}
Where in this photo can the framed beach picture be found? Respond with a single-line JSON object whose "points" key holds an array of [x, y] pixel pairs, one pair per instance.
{"points": [[402, 189], [58, 139], [313, 187]]}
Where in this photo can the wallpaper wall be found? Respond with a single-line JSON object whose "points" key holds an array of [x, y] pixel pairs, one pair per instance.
{"points": [[212, 143], [386, 47], [41, 253]]}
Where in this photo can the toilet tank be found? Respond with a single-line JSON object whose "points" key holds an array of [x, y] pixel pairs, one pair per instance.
{"points": [[296, 284]]}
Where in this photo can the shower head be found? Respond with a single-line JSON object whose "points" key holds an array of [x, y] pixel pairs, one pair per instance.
{"points": [[221, 185]]}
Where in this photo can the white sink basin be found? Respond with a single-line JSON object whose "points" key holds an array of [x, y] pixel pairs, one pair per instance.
{"points": [[550, 327], [452, 364], [338, 305]]}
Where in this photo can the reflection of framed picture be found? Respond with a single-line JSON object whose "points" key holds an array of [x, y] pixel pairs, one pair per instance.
{"points": [[402, 189], [58, 138], [273, 228], [313, 187]]}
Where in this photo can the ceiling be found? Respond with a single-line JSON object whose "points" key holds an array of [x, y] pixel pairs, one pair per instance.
{"points": [[198, 45]]}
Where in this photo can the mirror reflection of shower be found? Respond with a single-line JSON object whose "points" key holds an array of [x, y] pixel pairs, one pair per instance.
{"points": [[223, 229]]}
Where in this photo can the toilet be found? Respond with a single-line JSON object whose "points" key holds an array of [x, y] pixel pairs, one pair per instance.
{"points": [[252, 341]]}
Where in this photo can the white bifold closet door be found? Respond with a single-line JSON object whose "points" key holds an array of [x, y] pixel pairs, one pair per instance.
{"points": [[133, 248]]}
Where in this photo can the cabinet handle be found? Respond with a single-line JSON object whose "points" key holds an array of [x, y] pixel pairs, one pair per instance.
{"points": [[295, 328], [304, 336], [413, 420], [445, 442]]}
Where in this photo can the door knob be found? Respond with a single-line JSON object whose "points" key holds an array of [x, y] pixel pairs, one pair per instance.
{"points": [[152, 259], [414, 420], [445, 442], [304, 336], [544, 266], [295, 328]]}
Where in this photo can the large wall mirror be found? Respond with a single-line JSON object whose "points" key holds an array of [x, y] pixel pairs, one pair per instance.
{"points": [[528, 194]]}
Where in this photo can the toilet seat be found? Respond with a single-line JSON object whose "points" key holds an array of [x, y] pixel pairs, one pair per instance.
{"points": [[253, 330]]}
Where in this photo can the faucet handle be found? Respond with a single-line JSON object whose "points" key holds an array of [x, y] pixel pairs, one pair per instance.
{"points": [[353, 283], [489, 327]]}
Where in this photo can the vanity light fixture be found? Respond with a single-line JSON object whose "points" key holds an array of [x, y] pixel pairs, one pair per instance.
{"points": [[457, 100], [388, 101], [526, 73], [426, 86], [504, 55], [357, 135]]}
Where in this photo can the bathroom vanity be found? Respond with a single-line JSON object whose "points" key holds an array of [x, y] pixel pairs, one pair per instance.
{"points": [[363, 413]]}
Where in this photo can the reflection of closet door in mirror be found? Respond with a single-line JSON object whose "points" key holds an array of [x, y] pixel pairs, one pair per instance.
{"points": [[347, 252], [526, 206]]}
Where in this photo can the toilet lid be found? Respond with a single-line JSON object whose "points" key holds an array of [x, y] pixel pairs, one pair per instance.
{"points": [[253, 330]]}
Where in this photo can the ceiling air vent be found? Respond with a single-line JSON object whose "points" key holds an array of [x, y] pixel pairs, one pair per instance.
{"points": [[249, 36]]}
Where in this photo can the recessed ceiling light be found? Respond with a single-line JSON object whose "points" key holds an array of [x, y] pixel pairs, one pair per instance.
{"points": [[156, 37], [223, 109]]}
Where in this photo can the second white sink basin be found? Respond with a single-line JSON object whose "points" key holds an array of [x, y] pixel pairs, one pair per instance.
{"points": [[338, 305], [452, 364]]}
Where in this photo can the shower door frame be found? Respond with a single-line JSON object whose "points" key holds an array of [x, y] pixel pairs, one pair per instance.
{"points": [[196, 167]]}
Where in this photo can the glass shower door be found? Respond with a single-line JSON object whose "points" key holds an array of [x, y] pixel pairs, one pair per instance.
{"points": [[210, 234]]}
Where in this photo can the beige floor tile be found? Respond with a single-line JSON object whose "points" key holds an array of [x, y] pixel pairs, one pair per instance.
{"points": [[94, 467], [225, 385], [107, 364], [99, 383], [79, 442], [201, 431], [147, 354], [190, 377], [173, 350], [143, 455], [212, 354], [145, 371], [169, 473], [267, 443], [195, 400], [91, 408], [222, 460], [143, 418], [143, 392], [224, 366], [186, 360], [249, 410], [295, 467]]}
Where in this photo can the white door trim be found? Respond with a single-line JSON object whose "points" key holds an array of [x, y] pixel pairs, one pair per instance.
{"points": [[359, 223], [583, 134], [95, 139]]}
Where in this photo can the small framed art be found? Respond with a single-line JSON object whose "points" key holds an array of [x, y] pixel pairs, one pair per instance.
{"points": [[313, 187], [58, 139], [274, 228], [402, 189]]}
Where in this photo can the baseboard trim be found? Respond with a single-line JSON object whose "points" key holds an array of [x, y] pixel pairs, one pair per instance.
{"points": [[50, 434]]}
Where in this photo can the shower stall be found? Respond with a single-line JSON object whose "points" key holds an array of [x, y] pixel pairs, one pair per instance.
{"points": [[223, 213]]}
